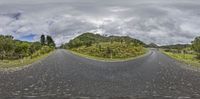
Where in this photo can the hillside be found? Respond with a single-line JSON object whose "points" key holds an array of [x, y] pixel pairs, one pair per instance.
{"points": [[110, 47], [87, 39]]}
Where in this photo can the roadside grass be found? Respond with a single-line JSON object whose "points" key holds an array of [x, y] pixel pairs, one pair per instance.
{"points": [[108, 59], [6, 64], [185, 58]]}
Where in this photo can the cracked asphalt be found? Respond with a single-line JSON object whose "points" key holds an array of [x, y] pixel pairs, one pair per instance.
{"points": [[63, 75]]}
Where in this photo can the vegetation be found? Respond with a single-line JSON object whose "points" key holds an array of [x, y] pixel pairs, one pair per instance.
{"points": [[19, 63], [42, 40], [112, 51], [196, 46], [87, 39], [112, 47], [12, 50], [178, 48], [50, 41], [186, 58], [187, 53]]}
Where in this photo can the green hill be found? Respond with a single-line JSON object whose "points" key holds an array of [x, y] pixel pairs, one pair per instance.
{"points": [[87, 39], [110, 47]]}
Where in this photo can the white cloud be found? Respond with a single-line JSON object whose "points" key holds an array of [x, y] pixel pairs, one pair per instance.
{"points": [[158, 21], [118, 9]]}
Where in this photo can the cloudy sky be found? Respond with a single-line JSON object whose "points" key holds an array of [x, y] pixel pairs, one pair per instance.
{"points": [[158, 21]]}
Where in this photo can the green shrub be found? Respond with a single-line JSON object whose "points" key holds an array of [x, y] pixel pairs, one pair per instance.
{"points": [[111, 50]]}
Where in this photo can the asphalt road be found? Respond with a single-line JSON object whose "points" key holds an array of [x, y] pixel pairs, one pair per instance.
{"points": [[64, 75]]}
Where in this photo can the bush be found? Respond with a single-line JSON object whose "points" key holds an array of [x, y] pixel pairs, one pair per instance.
{"points": [[46, 49], [196, 46], [111, 50]]}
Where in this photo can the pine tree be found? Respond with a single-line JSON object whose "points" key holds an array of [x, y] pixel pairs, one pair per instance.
{"points": [[50, 41], [42, 39]]}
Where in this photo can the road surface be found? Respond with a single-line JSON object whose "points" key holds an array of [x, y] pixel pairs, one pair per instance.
{"points": [[63, 75]]}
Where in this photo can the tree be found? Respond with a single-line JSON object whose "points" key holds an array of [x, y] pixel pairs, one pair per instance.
{"points": [[16, 49], [42, 39], [6, 45], [109, 52], [196, 46], [22, 49], [2, 51], [50, 41], [89, 43], [34, 47]]}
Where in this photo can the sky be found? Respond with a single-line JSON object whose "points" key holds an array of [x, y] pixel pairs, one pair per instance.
{"points": [[152, 21]]}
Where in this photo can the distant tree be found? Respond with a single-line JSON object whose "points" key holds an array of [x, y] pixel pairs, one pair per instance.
{"points": [[196, 46], [42, 39], [50, 41]]}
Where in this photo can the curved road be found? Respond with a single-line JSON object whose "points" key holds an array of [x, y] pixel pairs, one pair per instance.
{"points": [[64, 75]]}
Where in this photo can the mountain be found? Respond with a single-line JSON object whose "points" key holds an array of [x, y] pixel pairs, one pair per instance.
{"points": [[152, 45]]}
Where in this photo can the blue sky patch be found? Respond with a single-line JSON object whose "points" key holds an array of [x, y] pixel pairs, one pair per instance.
{"points": [[28, 37]]}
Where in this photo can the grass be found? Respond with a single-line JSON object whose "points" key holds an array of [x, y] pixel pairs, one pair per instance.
{"points": [[108, 59], [7, 64], [185, 58]]}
